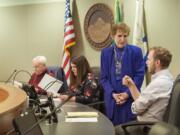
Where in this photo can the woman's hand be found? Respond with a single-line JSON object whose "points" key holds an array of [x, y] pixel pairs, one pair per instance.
{"points": [[65, 97], [120, 98]]}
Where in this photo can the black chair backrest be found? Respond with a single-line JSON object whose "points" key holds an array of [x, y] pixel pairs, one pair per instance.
{"points": [[173, 110], [163, 129], [171, 117], [96, 72]]}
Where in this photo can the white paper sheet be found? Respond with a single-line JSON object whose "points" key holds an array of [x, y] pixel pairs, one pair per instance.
{"points": [[92, 119], [50, 84]]}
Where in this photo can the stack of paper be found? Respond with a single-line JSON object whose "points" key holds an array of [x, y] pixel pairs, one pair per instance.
{"points": [[81, 117]]}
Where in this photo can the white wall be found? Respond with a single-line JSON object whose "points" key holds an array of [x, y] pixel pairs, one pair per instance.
{"points": [[30, 30], [163, 21], [27, 31]]}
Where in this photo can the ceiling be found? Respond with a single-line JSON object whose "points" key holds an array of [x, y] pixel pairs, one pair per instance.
{"points": [[6, 3]]}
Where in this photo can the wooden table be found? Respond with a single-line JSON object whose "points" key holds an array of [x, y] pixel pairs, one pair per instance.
{"points": [[12, 103]]}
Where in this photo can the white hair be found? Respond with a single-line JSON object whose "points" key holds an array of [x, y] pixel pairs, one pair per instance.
{"points": [[40, 59]]}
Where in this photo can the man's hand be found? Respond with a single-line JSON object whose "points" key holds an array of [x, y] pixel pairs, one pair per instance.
{"points": [[127, 81]]}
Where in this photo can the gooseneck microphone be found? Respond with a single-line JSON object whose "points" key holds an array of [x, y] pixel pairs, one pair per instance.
{"points": [[48, 115], [12, 74], [19, 71]]}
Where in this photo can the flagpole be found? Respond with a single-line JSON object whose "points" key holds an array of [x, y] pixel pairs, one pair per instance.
{"points": [[148, 75], [139, 33]]}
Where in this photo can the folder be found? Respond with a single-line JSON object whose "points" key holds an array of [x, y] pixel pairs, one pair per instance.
{"points": [[82, 114], [81, 117]]}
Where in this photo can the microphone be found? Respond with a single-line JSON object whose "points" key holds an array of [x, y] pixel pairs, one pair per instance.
{"points": [[93, 84], [30, 91], [90, 83], [12, 74], [48, 115], [25, 71], [49, 85], [50, 103]]}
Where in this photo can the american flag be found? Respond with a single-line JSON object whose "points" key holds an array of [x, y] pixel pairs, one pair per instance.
{"points": [[69, 40]]}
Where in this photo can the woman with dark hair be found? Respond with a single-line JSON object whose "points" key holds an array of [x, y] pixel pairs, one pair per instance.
{"points": [[82, 82], [80, 69]]}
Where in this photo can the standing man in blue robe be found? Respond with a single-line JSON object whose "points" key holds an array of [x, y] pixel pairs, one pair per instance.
{"points": [[118, 60]]}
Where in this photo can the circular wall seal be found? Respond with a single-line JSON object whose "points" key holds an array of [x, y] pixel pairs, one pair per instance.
{"points": [[97, 25]]}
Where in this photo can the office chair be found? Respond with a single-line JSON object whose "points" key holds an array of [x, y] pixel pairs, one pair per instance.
{"points": [[171, 115], [164, 129], [100, 103], [59, 74]]}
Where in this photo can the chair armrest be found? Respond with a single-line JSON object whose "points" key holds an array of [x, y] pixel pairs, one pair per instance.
{"points": [[136, 123], [96, 103]]}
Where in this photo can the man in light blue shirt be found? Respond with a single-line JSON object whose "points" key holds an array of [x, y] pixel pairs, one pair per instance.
{"points": [[151, 103]]}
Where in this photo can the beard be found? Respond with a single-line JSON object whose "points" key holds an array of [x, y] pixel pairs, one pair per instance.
{"points": [[151, 68]]}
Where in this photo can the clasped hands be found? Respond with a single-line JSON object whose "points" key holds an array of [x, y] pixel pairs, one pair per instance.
{"points": [[121, 98]]}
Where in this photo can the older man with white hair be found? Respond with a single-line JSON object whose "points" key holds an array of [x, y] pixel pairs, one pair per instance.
{"points": [[39, 64]]}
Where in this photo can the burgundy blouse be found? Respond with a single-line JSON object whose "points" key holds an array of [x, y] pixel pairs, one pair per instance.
{"points": [[35, 79]]}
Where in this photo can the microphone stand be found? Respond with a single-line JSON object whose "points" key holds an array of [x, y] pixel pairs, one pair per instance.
{"points": [[13, 73], [50, 103], [48, 115]]}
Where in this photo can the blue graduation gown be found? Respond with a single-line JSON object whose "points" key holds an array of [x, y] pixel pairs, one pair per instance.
{"points": [[133, 66]]}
